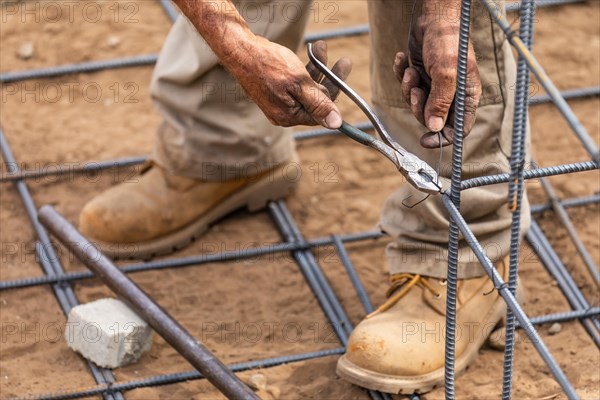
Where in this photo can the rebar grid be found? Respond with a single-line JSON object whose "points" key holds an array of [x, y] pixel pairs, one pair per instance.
{"points": [[301, 248]]}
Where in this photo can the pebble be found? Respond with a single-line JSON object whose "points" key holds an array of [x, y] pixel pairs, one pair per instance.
{"points": [[113, 41], [258, 382], [25, 52], [555, 328]]}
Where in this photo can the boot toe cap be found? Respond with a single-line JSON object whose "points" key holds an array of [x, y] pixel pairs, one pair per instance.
{"points": [[111, 218], [403, 348]]}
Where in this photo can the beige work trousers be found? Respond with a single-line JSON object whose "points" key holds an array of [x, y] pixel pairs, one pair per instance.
{"points": [[212, 131]]}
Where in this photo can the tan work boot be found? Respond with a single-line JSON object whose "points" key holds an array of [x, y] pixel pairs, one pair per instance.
{"points": [[399, 348], [160, 213]]}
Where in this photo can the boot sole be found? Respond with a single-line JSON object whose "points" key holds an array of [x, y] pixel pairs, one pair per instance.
{"points": [[254, 196], [415, 384]]}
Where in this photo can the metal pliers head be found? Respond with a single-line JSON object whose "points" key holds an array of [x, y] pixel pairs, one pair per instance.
{"points": [[418, 173]]}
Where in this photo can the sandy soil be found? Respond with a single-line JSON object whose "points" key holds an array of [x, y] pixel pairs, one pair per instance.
{"points": [[45, 130]]}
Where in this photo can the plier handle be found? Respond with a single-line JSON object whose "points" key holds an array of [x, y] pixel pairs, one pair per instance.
{"points": [[417, 172]]}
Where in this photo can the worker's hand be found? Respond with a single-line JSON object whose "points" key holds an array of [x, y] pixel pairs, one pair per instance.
{"points": [[429, 84], [285, 90]]}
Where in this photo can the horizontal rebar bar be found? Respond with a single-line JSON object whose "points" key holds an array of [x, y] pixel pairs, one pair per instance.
{"points": [[168, 379], [530, 174], [513, 7], [58, 170], [567, 203], [77, 68], [356, 30], [170, 330], [565, 316], [510, 300], [192, 261], [571, 94]]}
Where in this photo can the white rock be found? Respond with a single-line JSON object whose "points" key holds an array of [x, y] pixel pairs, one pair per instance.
{"points": [[554, 328], [258, 382], [113, 41], [25, 52], [108, 333]]}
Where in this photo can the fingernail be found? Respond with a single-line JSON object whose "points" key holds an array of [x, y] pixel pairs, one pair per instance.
{"points": [[436, 124], [413, 99], [406, 78], [333, 120]]}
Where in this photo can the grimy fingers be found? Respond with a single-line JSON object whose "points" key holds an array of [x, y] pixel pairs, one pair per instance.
{"points": [[441, 96], [417, 101], [341, 69], [400, 64], [473, 95], [320, 107]]}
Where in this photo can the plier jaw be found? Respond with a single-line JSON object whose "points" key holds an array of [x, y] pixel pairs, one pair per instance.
{"points": [[418, 173]]}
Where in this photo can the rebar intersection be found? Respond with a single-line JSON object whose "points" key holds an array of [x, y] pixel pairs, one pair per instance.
{"points": [[300, 248]]}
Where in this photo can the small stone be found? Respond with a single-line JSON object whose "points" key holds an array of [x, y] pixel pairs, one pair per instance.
{"points": [[573, 352], [113, 41], [275, 391], [25, 52], [555, 328], [258, 382], [108, 333]]}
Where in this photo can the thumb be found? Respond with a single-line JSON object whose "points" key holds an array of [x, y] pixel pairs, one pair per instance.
{"points": [[320, 107], [439, 102]]}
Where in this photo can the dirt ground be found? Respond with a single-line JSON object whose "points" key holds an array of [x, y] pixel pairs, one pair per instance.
{"points": [[106, 115]]}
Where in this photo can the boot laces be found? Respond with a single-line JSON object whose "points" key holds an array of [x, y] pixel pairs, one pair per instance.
{"points": [[401, 284]]}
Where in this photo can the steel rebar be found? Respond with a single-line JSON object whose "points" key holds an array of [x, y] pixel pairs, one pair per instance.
{"points": [[316, 279], [456, 175], [563, 216], [167, 379], [191, 349], [544, 80], [515, 187], [510, 300], [49, 261], [351, 271], [192, 261], [565, 282], [530, 174], [565, 316], [567, 203]]}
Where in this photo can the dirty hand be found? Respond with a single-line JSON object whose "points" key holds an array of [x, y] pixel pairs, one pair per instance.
{"points": [[429, 84], [285, 90]]}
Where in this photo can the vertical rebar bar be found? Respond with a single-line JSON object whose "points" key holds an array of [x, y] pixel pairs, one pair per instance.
{"points": [[588, 143], [515, 186], [452, 278], [351, 271]]}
